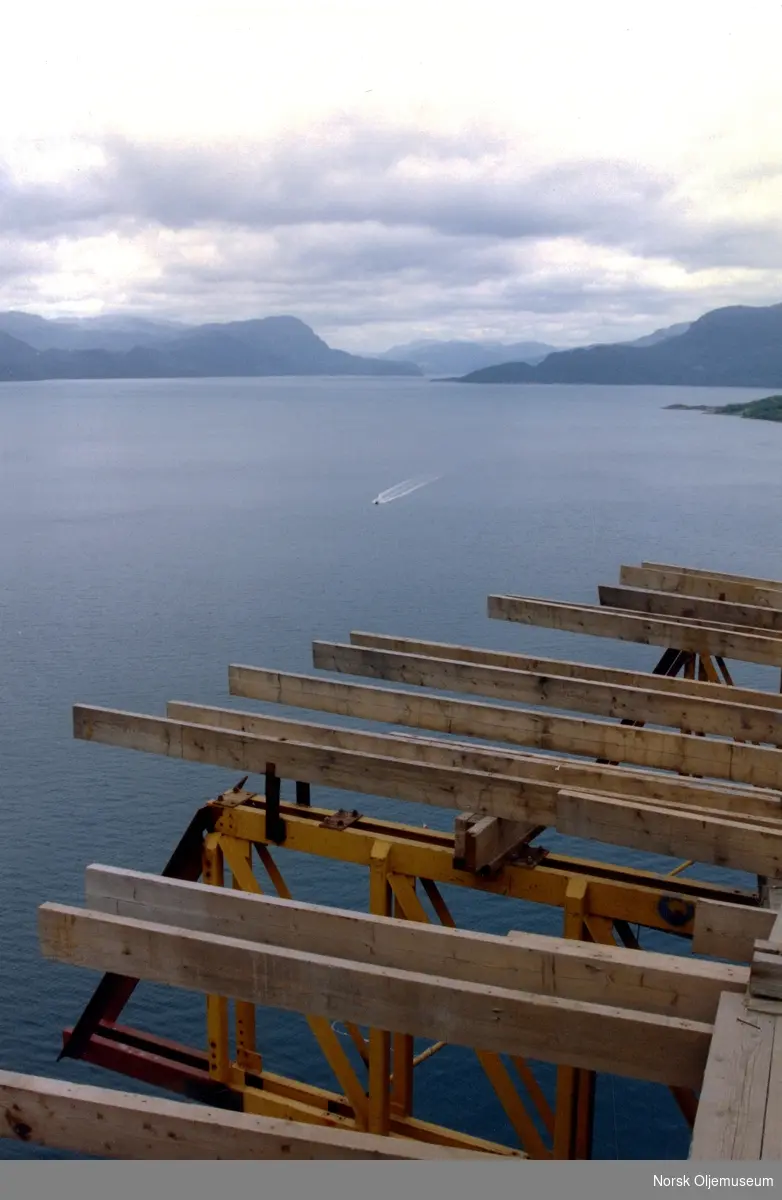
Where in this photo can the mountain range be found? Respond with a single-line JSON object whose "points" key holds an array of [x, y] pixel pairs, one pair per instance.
{"points": [[464, 357], [736, 346], [32, 347]]}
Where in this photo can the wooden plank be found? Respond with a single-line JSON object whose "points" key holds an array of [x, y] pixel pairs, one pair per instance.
{"points": [[723, 930], [709, 587], [647, 681], [525, 800], [640, 1045], [486, 841], [669, 604], [772, 1130], [105, 1123], [731, 1111], [536, 963], [386, 704], [594, 621], [699, 572], [716, 715], [759, 766], [678, 833]]}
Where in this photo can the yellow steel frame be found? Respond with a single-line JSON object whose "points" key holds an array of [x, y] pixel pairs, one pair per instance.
{"points": [[399, 858]]}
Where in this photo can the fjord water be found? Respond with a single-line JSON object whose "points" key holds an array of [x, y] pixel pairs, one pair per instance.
{"points": [[151, 533]]}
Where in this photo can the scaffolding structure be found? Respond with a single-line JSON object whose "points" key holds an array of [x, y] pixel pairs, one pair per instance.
{"points": [[678, 762]]}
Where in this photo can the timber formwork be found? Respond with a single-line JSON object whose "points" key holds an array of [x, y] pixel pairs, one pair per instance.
{"points": [[677, 762]]}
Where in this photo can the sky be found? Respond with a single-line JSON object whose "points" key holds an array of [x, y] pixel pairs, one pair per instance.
{"points": [[561, 172]]}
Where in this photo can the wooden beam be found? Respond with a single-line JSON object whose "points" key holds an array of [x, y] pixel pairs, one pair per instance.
{"points": [[723, 930], [647, 681], [727, 577], [709, 587], [594, 621], [524, 800], [639, 1045], [758, 766], [754, 804], [105, 1123], [535, 963], [677, 833], [670, 604], [731, 1111], [715, 715]]}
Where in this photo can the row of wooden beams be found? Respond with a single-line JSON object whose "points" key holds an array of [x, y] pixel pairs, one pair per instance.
{"points": [[671, 604], [751, 804], [716, 715], [511, 726], [669, 632], [702, 585], [647, 1046], [104, 1123], [549, 966], [740, 845], [757, 766], [646, 681]]}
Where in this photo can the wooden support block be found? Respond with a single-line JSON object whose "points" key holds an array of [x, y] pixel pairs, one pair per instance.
{"points": [[485, 842], [765, 976], [731, 1111], [675, 833], [104, 1123], [740, 800], [648, 681], [697, 608], [729, 931], [713, 714], [709, 587], [623, 1042], [536, 963], [595, 621]]}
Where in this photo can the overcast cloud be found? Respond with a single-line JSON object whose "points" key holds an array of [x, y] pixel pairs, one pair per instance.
{"points": [[484, 172]]}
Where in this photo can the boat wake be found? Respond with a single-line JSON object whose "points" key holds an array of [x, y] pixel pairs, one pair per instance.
{"points": [[404, 489]]}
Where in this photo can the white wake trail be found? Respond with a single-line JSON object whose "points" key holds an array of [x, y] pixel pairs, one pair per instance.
{"points": [[404, 489]]}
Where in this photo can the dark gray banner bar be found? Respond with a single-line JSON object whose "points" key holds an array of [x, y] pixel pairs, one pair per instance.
{"points": [[521, 1180]]}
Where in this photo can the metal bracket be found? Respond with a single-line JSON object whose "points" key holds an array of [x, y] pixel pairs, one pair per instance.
{"points": [[341, 820], [276, 830]]}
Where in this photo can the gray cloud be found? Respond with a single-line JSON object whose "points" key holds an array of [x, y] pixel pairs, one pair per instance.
{"points": [[393, 227], [392, 178]]}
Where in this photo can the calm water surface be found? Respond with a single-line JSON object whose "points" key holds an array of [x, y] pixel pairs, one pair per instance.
{"points": [[151, 533]]}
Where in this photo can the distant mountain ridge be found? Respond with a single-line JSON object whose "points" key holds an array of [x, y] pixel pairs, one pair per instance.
{"points": [[437, 358], [463, 357], [736, 346], [136, 349]]}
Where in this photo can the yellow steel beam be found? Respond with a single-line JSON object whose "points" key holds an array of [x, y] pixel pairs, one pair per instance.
{"points": [[573, 1118], [213, 872], [616, 893], [379, 1039]]}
